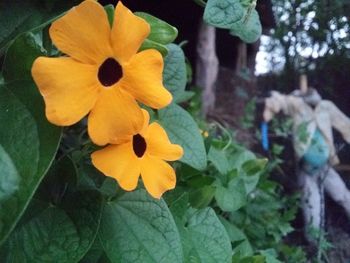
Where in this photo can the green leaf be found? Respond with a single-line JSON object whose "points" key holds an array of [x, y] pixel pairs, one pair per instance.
{"points": [[29, 143], [285, 228], [200, 198], [249, 28], [161, 32], [110, 13], [270, 256], [183, 130], [177, 200], [232, 197], [250, 182], [149, 44], [234, 233], [246, 3], [237, 159], [63, 233], [62, 223], [92, 179], [223, 13], [174, 74], [254, 259], [205, 238], [184, 96], [96, 254], [277, 149], [17, 17], [255, 166], [251, 171], [20, 57], [244, 248], [219, 160], [10, 179], [61, 178], [138, 228]]}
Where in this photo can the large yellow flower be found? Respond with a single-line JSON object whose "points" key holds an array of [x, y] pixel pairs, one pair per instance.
{"points": [[144, 155], [103, 72]]}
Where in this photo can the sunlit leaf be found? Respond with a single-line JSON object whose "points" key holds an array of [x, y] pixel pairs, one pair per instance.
{"points": [[223, 13], [138, 228]]}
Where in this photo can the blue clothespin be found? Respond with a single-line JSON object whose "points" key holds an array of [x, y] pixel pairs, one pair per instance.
{"points": [[264, 136]]}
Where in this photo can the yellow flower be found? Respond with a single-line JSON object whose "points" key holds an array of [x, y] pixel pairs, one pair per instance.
{"points": [[144, 155], [103, 73]]}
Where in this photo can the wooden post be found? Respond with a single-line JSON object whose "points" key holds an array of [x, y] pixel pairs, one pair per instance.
{"points": [[242, 54], [303, 84], [207, 66]]}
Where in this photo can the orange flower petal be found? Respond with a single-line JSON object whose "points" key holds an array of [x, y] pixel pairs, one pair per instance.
{"points": [[158, 144], [83, 33], [145, 122], [119, 162], [157, 176], [143, 79], [115, 117], [68, 87], [128, 33]]}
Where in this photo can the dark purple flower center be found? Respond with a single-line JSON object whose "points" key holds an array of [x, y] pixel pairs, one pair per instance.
{"points": [[139, 145], [110, 72]]}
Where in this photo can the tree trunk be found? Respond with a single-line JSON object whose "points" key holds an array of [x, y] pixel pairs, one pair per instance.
{"points": [[207, 66]]}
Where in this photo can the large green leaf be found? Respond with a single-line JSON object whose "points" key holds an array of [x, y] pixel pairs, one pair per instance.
{"points": [[138, 228], [28, 141], [249, 28], [161, 31], [60, 223], [223, 13], [205, 238], [61, 233], [174, 74], [17, 17], [183, 130]]}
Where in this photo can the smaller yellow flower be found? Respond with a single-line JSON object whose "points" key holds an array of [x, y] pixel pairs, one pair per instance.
{"points": [[143, 154]]}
